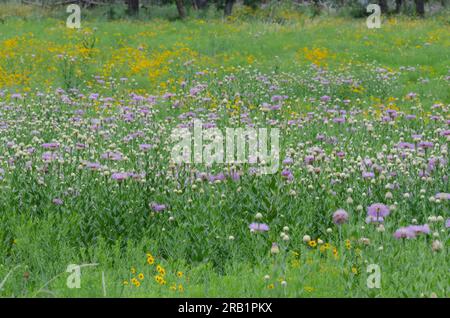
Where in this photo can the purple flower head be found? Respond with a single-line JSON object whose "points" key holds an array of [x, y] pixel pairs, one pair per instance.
{"points": [[94, 96], [50, 156], [404, 232], [445, 132], [447, 223], [57, 201], [51, 145], [374, 219], [258, 227], [378, 209], [235, 176], [93, 166], [425, 144], [287, 174], [368, 174], [442, 196], [157, 207], [419, 229], [145, 147], [339, 120], [16, 96], [325, 98], [115, 156], [119, 176], [309, 159], [405, 145], [340, 217]]}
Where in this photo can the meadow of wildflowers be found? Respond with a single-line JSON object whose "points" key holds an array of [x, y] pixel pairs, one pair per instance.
{"points": [[86, 174]]}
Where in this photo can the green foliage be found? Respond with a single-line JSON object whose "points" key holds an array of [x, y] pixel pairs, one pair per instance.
{"points": [[243, 64]]}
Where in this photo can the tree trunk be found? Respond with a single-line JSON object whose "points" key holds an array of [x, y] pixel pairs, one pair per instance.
{"points": [[229, 7], [181, 9], [383, 6], [420, 7], [200, 4], [398, 5], [133, 7]]}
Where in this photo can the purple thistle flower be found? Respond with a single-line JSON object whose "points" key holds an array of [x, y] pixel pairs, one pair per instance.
{"points": [[377, 210], [405, 145], [145, 147], [258, 227], [51, 145], [368, 175], [404, 232], [309, 159], [447, 223], [119, 176], [425, 144], [340, 217], [287, 174], [157, 207], [442, 196], [93, 166], [419, 229], [57, 201], [325, 98], [50, 156], [374, 219]]}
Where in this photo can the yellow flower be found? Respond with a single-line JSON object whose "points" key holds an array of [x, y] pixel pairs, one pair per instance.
{"points": [[173, 287], [348, 244], [160, 280], [137, 284], [180, 288], [180, 274], [271, 286], [335, 252], [150, 260], [141, 276], [125, 282], [354, 270], [312, 243], [308, 289], [133, 270], [161, 270]]}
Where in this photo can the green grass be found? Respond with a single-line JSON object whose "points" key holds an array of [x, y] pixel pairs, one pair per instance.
{"points": [[243, 65]]}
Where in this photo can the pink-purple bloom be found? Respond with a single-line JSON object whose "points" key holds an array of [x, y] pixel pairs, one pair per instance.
{"points": [[119, 176], [442, 196], [258, 227], [404, 232], [411, 231], [157, 207], [340, 217], [377, 210]]}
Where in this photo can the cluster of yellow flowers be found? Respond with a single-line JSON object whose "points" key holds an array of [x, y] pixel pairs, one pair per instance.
{"points": [[323, 246], [159, 277], [316, 56]]}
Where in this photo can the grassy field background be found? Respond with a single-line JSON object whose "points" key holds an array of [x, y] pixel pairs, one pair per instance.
{"points": [[201, 241]]}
